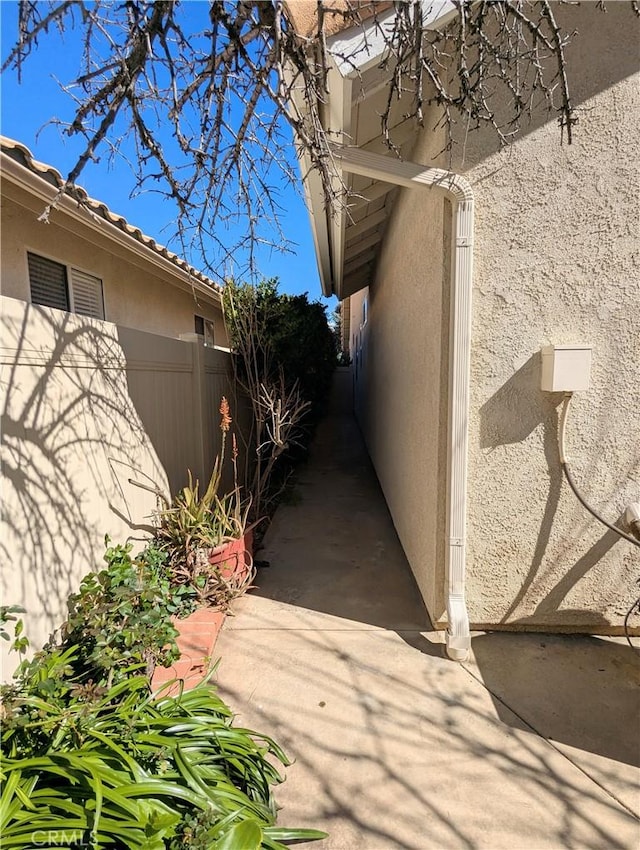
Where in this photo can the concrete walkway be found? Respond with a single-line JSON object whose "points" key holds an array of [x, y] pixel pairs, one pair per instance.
{"points": [[533, 744]]}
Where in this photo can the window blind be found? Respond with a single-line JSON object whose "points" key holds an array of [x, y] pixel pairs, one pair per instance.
{"points": [[48, 282], [87, 294]]}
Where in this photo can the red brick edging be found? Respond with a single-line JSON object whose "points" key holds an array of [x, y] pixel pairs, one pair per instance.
{"points": [[196, 642], [199, 631]]}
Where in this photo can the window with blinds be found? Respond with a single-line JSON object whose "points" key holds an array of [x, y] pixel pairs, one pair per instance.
{"points": [[48, 282], [53, 285], [87, 294]]}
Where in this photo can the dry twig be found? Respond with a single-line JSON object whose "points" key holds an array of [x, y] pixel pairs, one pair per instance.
{"points": [[211, 93]]}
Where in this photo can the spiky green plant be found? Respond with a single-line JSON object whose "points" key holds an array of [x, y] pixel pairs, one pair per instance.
{"points": [[195, 526], [128, 769]]}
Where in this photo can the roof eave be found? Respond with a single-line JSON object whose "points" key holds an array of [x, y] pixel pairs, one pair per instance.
{"points": [[37, 185], [365, 47]]}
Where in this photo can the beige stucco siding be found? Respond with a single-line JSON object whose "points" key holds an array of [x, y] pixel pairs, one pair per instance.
{"points": [[556, 235], [555, 262], [400, 384], [136, 293]]}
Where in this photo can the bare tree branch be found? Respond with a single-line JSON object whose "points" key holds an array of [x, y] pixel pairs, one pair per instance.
{"points": [[211, 94]]}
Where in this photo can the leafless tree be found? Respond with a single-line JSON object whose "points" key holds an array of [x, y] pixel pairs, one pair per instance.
{"points": [[205, 89], [277, 409]]}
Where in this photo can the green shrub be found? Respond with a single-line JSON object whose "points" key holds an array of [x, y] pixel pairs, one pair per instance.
{"points": [[122, 768], [121, 616], [285, 355], [91, 758], [293, 335]]}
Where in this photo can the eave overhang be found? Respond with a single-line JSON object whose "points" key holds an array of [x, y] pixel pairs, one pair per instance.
{"points": [[40, 181], [348, 233]]}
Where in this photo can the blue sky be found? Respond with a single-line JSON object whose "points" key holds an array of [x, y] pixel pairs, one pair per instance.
{"points": [[27, 110]]}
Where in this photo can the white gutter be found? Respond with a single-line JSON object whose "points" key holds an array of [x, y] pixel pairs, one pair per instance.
{"points": [[350, 53], [411, 175], [361, 47]]}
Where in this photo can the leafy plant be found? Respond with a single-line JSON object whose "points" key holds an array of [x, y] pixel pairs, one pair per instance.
{"points": [[122, 615], [124, 768], [90, 757], [20, 643], [120, 618]]}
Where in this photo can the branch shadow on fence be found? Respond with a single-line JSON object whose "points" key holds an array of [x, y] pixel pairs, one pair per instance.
{"points": [[87, 407]]}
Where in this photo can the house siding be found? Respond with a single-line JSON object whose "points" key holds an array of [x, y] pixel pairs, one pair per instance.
{"points": [[400, 389], [555, 262], [136, 294]]}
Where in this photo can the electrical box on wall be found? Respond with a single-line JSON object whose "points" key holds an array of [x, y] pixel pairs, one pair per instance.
{"points": [[565, 368]]}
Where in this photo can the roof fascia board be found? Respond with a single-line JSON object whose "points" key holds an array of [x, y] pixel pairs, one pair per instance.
{"points": [[35, 185], [360, 48], [438, 13], [328, 225], [318, 215], [314, 199], [338, 125]]}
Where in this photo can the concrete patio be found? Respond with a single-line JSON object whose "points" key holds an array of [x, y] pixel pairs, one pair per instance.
{"points": [[534, 743]]}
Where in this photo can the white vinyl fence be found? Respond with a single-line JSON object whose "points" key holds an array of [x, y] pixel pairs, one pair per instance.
{"points": [[87, 407]]}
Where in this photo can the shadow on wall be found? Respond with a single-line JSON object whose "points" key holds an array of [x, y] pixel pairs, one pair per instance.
{"points": [[510, 416], [71, 439], [518, 407], [593, 66]]}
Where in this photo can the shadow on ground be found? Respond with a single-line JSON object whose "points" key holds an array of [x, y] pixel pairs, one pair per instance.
{"points": [[529, 745], [334, 549], [576, 690]]}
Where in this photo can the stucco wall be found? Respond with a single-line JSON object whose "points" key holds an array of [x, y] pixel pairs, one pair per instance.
{"points": [[401, 383], [136, 294], [556, 262], [556, 232]]}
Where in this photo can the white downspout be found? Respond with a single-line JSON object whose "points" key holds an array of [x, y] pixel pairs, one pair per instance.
{"points": [[459, 191], [458, 634]]}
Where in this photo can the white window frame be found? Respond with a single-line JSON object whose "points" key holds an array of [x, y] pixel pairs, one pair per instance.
{"points": [[209, 330], [69, 270], [365, 311]]}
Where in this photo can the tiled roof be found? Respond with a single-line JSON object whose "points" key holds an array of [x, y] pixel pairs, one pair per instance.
{"points": [[338, 15], [22, 155]]}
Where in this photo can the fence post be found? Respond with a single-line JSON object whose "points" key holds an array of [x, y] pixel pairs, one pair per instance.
{"points": [[199, 404]]}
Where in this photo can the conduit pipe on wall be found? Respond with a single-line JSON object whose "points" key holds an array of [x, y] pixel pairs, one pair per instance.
{"points": [[458, 190]]}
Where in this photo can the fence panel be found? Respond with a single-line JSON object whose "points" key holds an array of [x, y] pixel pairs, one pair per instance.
{"points": [[87, 407]]}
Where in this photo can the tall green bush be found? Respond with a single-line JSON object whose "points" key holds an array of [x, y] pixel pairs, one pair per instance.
{"points": [[293, 338], [285, 355]]}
